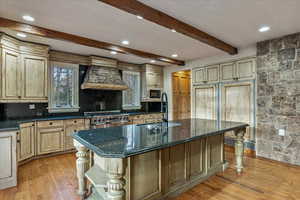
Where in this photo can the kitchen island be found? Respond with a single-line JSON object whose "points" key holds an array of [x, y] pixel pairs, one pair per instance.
{"points": [[152, 161]]}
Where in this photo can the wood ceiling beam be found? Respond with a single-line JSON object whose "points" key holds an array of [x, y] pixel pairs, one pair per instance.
{"points": [[137, 8], [48, 33]]}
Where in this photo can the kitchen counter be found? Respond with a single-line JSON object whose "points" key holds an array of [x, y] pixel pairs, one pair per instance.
{"points": [[156, 160], [128, 140], [11, 125]]}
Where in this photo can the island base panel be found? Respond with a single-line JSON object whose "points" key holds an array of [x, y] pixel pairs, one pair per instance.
{"points": [[160, 173]]}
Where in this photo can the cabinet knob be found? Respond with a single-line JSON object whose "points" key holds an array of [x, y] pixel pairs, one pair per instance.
{"points": [[18, 141], [75, 130], [19, 97], [75, 121], [50, 123]]}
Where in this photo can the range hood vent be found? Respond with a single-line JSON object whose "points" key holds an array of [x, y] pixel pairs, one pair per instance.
{"points": [[103, 74]]}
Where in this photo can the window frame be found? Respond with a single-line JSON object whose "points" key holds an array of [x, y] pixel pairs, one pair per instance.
{"points": [[127, 106], [75, 98]]}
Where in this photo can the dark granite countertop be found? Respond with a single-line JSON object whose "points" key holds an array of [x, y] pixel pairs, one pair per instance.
{"points": [[128, 140], [10, 125]]}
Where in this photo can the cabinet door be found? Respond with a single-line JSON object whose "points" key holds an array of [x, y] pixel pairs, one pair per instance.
{"points": [[212, 74], [227, 71], [214, 151], [237, 105], [177, 166], [145, 178], [68, 140], [34, 75], [26, 141], [8, 164], [49, 140], [205, 103], [197, 158], [200, 75], [154, 80], [10, 75], [245, 69]]}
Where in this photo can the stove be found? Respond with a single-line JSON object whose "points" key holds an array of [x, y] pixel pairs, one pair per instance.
{"points": [[105, 119]]}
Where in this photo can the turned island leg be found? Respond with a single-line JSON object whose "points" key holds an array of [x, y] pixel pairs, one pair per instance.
{"points": [[239, 149], [81, 166]]}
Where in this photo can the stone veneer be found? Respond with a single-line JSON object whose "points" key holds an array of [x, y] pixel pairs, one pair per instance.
{"points": [[278, 98]]}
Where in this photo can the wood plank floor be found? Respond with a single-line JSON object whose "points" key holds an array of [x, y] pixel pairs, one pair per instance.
{"points": [[54, 178]]}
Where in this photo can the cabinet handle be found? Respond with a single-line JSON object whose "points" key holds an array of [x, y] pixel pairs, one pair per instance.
{"points": [[18, 141], [32, 125], [19, 97], [75, 130], [50, 123]]}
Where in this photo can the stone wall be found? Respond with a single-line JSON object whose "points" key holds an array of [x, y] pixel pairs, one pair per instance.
{"points": [[278, 98]]}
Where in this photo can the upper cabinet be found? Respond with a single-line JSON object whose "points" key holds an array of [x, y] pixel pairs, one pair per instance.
{"points": [[152, 78], [208, 74], [225, 72], [23, 71], [239, 70]]}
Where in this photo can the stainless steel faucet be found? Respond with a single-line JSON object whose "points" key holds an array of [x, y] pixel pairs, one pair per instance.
{"points": [[164, 106]]}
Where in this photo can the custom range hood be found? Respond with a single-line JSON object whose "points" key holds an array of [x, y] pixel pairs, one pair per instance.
{"points": [[103, 74]]}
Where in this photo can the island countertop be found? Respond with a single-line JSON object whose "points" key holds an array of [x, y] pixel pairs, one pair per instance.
{"points": [[129, 140]]}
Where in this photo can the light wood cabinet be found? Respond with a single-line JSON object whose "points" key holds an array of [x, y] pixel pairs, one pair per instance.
{"points": [[208, 74], [26, 141], [197, 158], [227, 71], [239, 70], [237, 105], [145, 176], [177, 166], [215, 151], [151, 78], [49, 139], [8, 160], [24, 71], [72, 126], [245, 69], [205, 102], [34, 77], [10, 75]]}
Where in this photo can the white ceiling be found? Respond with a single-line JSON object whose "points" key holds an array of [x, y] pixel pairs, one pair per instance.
{"points": [[234, 21]]}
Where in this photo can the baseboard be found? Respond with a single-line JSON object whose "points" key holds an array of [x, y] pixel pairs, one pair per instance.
{"points": [[247, 152], [45, 156]]}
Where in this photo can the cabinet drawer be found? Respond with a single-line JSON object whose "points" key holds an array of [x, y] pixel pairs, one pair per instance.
{"points": [[74, 122], [52, 123], [25, 125]]}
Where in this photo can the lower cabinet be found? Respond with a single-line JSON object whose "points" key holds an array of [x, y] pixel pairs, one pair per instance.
{"points": [[71, 126], [49, 140], [26, 141], [154, 174], [8, 160]]}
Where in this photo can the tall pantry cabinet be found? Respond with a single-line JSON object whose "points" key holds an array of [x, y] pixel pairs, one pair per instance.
{"points": [[226, 92], [23, 71]]}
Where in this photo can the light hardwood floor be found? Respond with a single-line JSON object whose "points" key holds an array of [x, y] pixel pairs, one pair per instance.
{"points": [[54, 178]]}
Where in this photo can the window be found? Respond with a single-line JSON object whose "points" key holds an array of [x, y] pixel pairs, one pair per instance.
{"points": [[63, 87], [131, 96]]}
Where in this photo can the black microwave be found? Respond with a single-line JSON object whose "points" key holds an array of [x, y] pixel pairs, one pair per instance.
{"points": [[155, 94]]}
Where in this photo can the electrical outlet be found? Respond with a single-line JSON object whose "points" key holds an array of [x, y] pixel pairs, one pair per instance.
{"points": [[31, 106], [281, 132]]}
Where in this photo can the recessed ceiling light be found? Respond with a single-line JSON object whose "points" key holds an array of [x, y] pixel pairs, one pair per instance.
{"points": [[125, 42], [264, 29], [113, 52], [28, 18], [139, 17], [22, 35], [173, 30], [152, 61], [174, 55]]}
